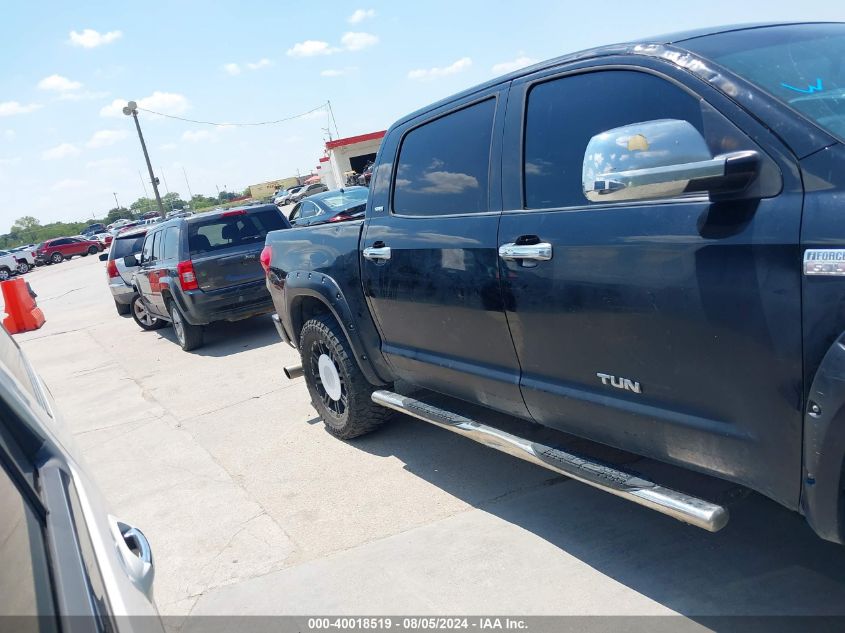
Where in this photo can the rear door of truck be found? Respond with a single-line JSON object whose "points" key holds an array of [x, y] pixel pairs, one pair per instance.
{"points": [[225, 247], [430, 263]]}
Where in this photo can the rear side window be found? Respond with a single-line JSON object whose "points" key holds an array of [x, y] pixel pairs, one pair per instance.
{"points": [[124, 246], [443, 165], [224, 231], [171, 243], [147, 250]]}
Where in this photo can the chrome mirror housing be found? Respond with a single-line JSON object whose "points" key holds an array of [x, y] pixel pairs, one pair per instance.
{"points": [[665, 158]]}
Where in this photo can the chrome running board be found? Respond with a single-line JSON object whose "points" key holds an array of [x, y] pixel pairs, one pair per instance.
{"points": [[678, 505]]}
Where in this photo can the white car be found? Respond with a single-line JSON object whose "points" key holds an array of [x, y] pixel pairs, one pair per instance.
{"points": [[25, 255], [8, 265]]}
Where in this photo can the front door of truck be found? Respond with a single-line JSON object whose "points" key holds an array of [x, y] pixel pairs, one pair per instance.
{"points": [[668, 324], [429, 262]]}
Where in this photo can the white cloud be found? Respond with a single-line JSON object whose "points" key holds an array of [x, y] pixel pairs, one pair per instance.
{"points": [[164, 102], [89, 38], [103, 138], [521, 61], [261, 63], [311, 48], [58, 83], [360, 15], [10, 108], [353, 41], [168, 147], [232, 69], [69, 183], [427, 74], [64, 150], [195, 136]]}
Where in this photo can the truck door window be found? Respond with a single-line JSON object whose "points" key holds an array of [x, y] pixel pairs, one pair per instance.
{"points": [[443, 164], [562, 116]]}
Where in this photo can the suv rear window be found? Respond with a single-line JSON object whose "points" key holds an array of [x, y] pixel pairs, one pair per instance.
{"points": [[124, 246], [223, 231]]}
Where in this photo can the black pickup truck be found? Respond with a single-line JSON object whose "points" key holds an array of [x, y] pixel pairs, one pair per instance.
{"points": [[641, 245]]}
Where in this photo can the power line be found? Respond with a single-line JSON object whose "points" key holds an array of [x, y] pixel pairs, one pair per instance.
{"points": [[290, 118]]}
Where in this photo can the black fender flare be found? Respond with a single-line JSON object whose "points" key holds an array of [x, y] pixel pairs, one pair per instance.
{"points": [[360, 330], [822, 498]]}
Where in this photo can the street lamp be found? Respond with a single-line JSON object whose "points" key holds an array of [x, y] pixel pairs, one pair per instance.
{"points": [[131, 109]]}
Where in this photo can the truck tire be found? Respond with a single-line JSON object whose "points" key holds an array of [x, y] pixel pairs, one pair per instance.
{"points": [[142, 316], [122, 308], [339, 391], [189, 336], [23, 267]]}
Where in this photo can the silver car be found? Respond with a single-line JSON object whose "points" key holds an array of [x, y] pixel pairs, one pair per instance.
{"points": [[119, 275], [62, 553]]}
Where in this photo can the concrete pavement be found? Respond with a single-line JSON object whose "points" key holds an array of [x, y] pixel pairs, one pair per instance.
{"points": [[251, 508]]}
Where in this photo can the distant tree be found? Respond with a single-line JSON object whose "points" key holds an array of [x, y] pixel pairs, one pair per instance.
{"points": [[117, 213], [26, 226], [200, 202], [172, 201]]}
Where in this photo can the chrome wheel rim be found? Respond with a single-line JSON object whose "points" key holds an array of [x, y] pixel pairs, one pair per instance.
{"points": [[142, 314], [23, 267], [328, 381], [178, 326], [4, 275], [57, 258]]}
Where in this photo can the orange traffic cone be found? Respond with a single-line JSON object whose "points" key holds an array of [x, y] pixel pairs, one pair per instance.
{"points": [[24, 314]]}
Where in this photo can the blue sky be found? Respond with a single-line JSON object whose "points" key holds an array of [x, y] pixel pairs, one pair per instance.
{"points": [[65, 67]]}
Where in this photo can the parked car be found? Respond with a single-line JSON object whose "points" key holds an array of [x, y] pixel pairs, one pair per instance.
{"points": [[287, 197], [104, 238], [25, 256], [65, 557], [280, 196], [618, 256], [8, 265], [309, 190], [61, 248], [330, 206], [94, 228], [117, 224], [118, 274], [205, 268]]}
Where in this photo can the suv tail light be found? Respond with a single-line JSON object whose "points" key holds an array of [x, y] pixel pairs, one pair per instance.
{"points": [[187, 278], [111, 269], [266, 256]]}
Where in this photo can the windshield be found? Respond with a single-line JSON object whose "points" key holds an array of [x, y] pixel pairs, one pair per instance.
{"points": [[124, 246], [801, 65]]}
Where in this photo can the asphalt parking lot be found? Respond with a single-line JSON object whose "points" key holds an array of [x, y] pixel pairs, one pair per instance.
{"points": [[252, 508]]}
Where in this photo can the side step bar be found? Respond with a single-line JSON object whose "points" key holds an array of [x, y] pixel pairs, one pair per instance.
{"points": [[678, 505]]}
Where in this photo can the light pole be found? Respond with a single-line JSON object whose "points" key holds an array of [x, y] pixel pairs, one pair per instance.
{"points": [[116, 203], [131, 109]]}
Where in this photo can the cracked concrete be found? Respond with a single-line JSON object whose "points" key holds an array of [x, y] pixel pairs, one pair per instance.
{"points": [[251, 508]]}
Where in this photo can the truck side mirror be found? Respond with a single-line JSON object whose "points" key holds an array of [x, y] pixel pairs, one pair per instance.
{"points": [[104, 256], [665, 158]]}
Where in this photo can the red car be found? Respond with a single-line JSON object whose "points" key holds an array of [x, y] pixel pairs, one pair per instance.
{"points": [[61, 248]]}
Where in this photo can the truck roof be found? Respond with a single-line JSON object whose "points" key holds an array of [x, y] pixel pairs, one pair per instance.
{"points": [[603, 51]]}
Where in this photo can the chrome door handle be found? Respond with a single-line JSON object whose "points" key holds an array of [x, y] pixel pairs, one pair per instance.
{"points": [[135, 553], [539, 252], [375, 254]]}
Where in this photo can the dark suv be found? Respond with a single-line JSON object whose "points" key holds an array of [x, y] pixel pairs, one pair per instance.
{"points": [[204, 268]]}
